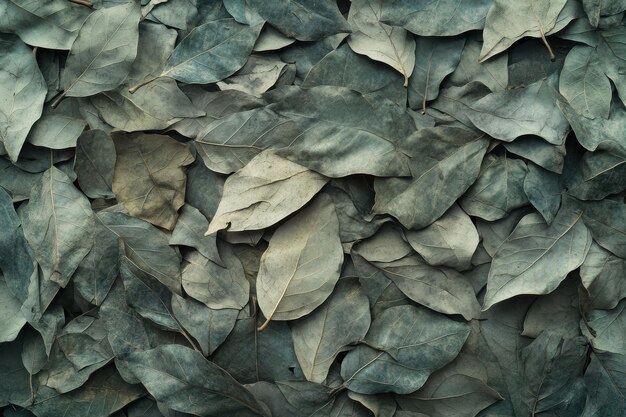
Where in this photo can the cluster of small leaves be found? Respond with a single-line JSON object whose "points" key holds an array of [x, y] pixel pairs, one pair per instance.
{"points": [[278, 208]]}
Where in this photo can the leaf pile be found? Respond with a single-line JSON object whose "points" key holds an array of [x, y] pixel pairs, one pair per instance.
{"points": [[277, 208]]}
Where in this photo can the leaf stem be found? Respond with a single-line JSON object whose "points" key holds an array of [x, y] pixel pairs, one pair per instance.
{"points": [[133, 89], [545, 42], [58, 100], [264, 325], [85, 3]]}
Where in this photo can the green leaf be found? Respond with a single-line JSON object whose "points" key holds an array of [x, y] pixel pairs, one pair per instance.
{"points": [[584, 84], [450, 391], [261, 193], [393, 46], [97, 271], [532, 110], [16, 257], [259, 74], [14, 378], [435, 58], [449, 241], [302, 20], [104, 394], [95, 160], [602, 173], [211, 52], [9, 309], [103, 52], [550, 366], [494, 73], [444, 18], [188, 232], [20, 79], [250, 356], [185, 381], [58, 128], [146, 246], [601, 274], [612, 54], [216, 286], [150, 299], [345, 68], [319, 337], [606, 219], [149, 177], [605, 384], [558, 312], [230, 143], [536, 257], [542, 153], [608, 327], [216, 105], [336, 142], [410, 343], [301, 266], [210, 327], [598, 8], [508, 22], [57, 224], [47, 24], [441, 289], [445, 158], [498, 190], [543, 189]]}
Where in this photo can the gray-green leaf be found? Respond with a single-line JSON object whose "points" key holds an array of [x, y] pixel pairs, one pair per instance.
{"points": [[301, 266]]}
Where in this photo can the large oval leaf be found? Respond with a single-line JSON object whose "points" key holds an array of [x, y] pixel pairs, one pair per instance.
{"points": [[58, 223], [103, 52], [20, 79], [320, 336], [301, 266], [410, 344], [264, 192], [186, 381], [536, 257], [48, 23], [211, 52]]}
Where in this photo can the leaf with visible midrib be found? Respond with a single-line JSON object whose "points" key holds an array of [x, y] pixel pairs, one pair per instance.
{"points": [[90, 70], [58, 224], [211, 52], [301, 266], [171, 370], [393, 46], [535, 258]]}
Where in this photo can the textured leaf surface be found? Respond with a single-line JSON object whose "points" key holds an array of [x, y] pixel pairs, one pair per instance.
{"points": [[59, 221], [22, 80], [536, 257], [318, 337], [393, 46], [301, 266], [149, 177], [103, 52], [264, 192]]}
